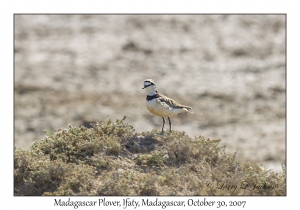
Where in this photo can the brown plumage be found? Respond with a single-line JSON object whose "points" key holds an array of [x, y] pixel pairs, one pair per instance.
{"points": [[171, 103]]}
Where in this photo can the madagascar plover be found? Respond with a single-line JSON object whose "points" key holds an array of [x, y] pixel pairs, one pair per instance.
{"points": [[160, 104]]}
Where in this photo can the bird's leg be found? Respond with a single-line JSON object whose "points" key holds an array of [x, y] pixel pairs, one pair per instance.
{"points": [[169, 123], [162, 129]]}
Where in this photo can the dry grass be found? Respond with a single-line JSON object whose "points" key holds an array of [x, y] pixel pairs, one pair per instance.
{"points": [[111, 159]]}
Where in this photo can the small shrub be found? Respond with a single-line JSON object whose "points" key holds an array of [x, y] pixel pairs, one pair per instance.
{"points": [[111, 159], [117, 183], [154, 158], [35, 174], [148, 185]]}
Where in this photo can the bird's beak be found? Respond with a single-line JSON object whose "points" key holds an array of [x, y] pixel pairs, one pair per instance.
{"points": [[143, 88]]}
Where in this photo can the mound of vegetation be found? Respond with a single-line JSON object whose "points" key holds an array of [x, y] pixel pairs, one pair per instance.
{"points": [[111, 159]]}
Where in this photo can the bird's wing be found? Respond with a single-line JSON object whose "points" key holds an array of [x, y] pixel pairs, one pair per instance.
{"points": [[170, 103]]}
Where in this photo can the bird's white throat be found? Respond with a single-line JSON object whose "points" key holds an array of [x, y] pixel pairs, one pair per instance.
{"points": [[151, 90]]}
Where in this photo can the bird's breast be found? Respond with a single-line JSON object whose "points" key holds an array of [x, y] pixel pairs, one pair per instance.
{"points": [[161, 110]]}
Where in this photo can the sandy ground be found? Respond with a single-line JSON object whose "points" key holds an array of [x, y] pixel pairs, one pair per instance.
{"points": [[76, 69]]}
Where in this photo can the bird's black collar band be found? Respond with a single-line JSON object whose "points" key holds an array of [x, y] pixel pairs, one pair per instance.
{"points": [[149, 98]]}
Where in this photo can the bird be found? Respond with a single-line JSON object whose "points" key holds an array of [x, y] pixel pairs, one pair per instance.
{"points": [[161, 105]]}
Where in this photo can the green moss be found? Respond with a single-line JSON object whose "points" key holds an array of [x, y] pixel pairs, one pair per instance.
{"points": [[111, 159]]}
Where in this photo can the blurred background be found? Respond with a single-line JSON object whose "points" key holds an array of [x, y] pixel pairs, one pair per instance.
{"points": [[77, 69]]}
